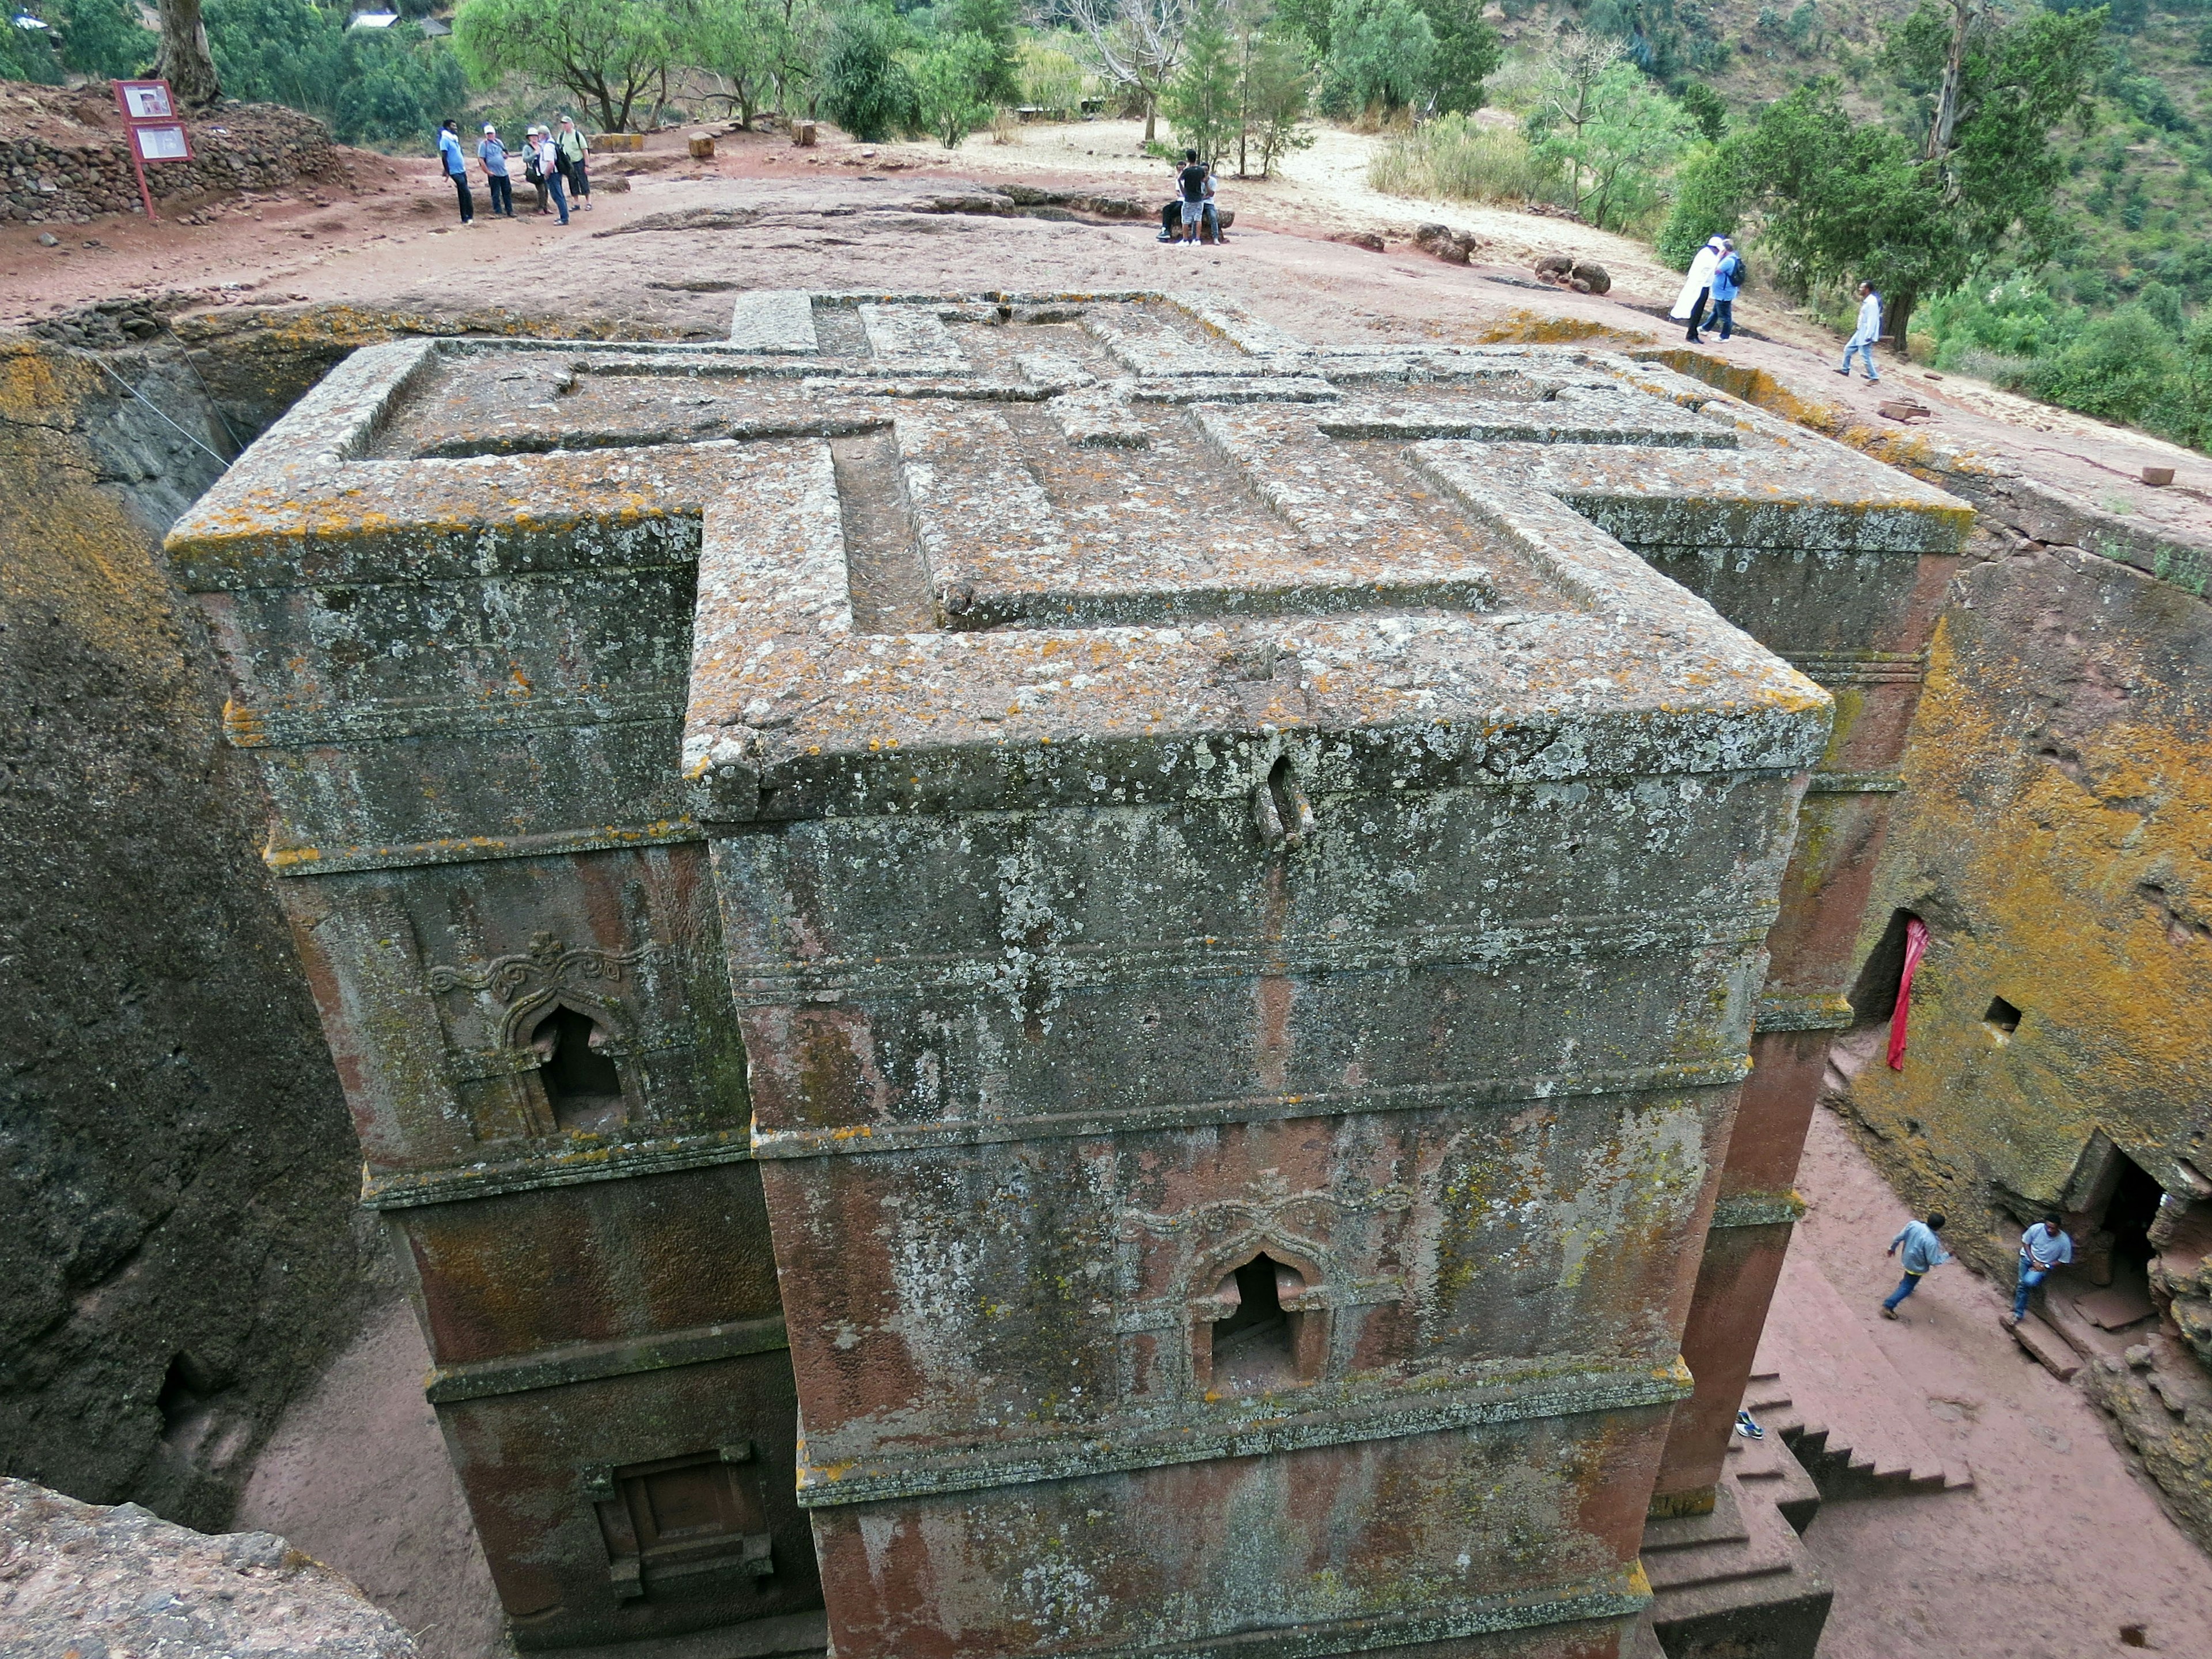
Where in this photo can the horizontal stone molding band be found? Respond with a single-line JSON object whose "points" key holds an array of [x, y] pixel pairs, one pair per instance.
{"points": [[1389, 1412], [469, 849], [1073, 965], [1759, 1210], [854, 1139], [247, 728], [1821, 1011], [1854, 783], [566, 1165], [1861, 667], [591, 1362], [1622, 1597]]}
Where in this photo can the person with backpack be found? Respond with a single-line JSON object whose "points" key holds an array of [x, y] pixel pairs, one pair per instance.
{"points": [[493, 155], [1696, 288], [574, 148], [457, 169], [1728, 283], [548, 169]]}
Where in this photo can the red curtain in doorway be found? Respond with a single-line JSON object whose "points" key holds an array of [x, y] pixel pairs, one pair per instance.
{"points": [[1916, 946]]}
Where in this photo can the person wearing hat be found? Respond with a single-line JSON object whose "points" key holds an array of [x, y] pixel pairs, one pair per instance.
{"points": [[548, 169], [493, 155], [574, 167], [532, 172]]}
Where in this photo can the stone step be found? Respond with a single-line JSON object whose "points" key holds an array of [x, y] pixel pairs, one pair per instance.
{"points": [[1769, 1468], [1760, 1595], [1724, 1525], [1837, 1395], [2052, 1351]]}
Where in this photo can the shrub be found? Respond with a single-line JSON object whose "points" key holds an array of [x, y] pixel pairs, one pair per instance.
{"points": [[948, 83], [1456, 158], [865, 88]]}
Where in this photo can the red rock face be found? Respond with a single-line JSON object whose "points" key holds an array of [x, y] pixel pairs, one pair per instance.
{"points": [[1234, 912]]}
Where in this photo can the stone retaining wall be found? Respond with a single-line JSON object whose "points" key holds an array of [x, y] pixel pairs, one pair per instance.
{"points": [[67, 169]]}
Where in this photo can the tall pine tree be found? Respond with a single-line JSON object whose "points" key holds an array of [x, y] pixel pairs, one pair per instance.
{"points": [[1201, 101]]}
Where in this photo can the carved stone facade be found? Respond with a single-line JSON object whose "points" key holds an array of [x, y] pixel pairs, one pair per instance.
{"points": [[1179, 909]]}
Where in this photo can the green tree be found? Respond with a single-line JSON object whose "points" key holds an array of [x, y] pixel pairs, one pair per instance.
{"points": [[27, 54], [1272, 88], [1916, 214], [1608, 128], [948, 83], [377, 86], [994, 21], [759, 48], [865, 88], [1201, 102], [605, 52], [1467, 53], [1381, 56], [103, 37], [1705, 108]]}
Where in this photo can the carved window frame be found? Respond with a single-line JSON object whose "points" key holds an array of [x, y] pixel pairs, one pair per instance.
{"points": [[1310, 1307], [635, 1560]]}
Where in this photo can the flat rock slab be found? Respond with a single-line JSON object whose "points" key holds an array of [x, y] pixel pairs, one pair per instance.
{"points": [[2114, 1308], [78, 1578]]}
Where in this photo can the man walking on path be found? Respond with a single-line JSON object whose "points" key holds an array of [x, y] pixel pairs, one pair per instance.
{"points": [[1696, 288], [1728, 283], [574, 149], [493, 155], [1923, 1250], [457, 169], [1864, 336], [2044, 1249]]}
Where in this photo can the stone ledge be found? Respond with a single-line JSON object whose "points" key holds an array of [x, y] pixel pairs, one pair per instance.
{"points": [[858, 1139], [1389, 1412], [559, 1167], [589, 1362]]}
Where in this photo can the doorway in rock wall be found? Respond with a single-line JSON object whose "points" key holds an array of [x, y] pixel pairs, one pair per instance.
{"points": [[2129, 1211]]}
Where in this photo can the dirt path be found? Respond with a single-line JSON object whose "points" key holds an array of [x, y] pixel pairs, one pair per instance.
{"points": [[2060, 1543], [763, 212]]}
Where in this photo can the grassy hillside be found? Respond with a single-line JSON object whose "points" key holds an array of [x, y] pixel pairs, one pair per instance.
{"points": [[2119, 322]]}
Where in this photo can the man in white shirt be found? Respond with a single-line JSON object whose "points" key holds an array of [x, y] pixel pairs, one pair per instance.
{"points": [[2044, 1249], [1864, 336]]}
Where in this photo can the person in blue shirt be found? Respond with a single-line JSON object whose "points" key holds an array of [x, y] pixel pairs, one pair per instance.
{"points": [[1923, 1250], [2044, 1249], [1728, 283], [457, 169], [493, 153]]}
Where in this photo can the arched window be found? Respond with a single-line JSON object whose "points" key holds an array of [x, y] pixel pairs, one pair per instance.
{"points": [[1259, 1330], [583, 1087]]}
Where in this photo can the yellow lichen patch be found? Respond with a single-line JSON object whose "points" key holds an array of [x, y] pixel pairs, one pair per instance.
{"points": [[2057, 804]]}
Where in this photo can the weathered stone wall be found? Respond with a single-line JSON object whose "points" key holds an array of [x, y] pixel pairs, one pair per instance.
{"points": [[66, 158], [2053, 834], [82, 1580], [176, 1172]]}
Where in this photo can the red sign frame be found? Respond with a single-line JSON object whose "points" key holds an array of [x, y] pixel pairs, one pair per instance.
{"points": [[150, 107]]}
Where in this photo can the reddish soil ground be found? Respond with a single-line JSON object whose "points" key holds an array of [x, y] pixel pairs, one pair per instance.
{"points": [[2062, 1541], [763, 212]]}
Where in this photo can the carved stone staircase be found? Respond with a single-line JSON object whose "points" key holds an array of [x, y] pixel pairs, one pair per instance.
{"points": [[1822, 1383]]}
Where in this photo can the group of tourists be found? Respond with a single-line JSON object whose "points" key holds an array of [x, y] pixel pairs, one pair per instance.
{"points": [[554, 165], [1716, 277]]}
